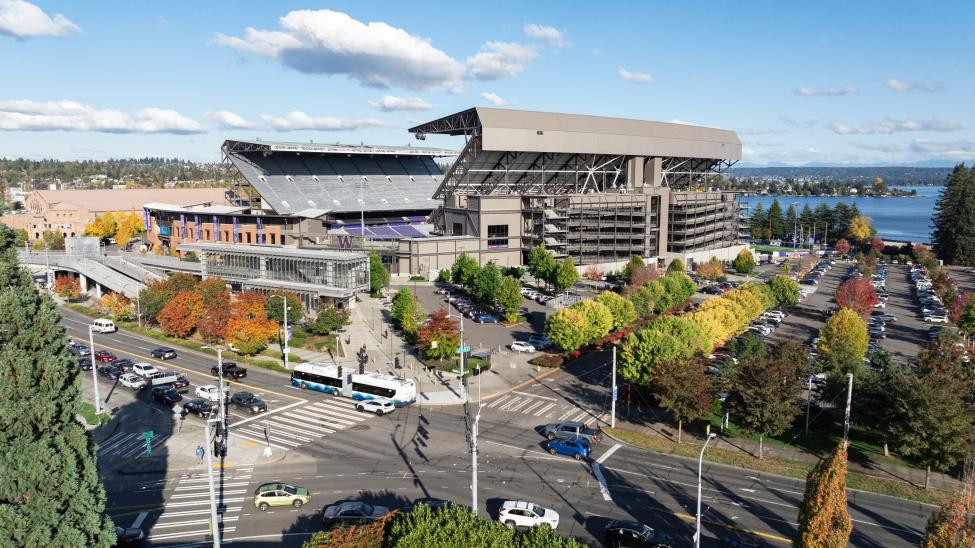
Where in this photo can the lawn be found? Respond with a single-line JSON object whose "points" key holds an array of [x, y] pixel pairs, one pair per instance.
{"points": [[764, 248], [87, 412]]}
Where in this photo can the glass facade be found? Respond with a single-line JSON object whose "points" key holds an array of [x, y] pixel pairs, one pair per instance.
{"points": [[344, 273]]}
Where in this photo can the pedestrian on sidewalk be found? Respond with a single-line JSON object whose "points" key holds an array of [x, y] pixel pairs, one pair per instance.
{"points": [[199, 453]]}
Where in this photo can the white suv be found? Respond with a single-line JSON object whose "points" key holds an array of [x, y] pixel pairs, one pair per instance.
{"points": [[377, 406], [519, 346], [131, 380], [526, 514], [209, 392], [145, 370]]}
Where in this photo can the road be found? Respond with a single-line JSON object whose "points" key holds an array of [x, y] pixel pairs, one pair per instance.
{"points": [[421, 452]]}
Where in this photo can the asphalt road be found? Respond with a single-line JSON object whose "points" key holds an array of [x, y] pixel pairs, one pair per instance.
{"points": [[421, 452]]}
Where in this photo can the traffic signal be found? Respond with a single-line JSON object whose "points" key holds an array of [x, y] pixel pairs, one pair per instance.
{"points": [[396, 362]]}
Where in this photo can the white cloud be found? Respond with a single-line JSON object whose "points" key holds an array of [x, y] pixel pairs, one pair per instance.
{"points": [[22, 19], [500, 59], [389, 103], [946, 150], [888, 126], [757, 131], [882, 147], [495, 99], [551, 36], [903, 86], [229, 120], [297, 120], [373, 54], [793, 122], [826, 92], [27, 115], [636, 77]]}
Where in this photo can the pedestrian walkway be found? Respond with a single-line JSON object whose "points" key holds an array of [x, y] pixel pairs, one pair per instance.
{"points": [[553, 409], [128, 445], [186, 511], [298, 424]]}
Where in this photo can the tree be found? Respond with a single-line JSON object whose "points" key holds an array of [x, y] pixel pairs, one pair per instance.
{"points": [[330, 318], [567, 329], [953, 524], [842, 246], [791, 223], [666, 338], [51, 491], [487, 283], [759, 222], [749, 346], [212, 290], [159, 293], [635, 262], [217, 311], [858, 295], [620, 308], [53, 240], [541, 263], [876, 393], [676, 265], [180, 316], [776, 221], [843, 342], [711, 270], [684, 390], [641, 276], [744, 263], [402, 304], [509, 298], [764, 392], [566, 276], [103, 227], [860, 230], [785, 290], [274, 306], [119, 306], [954, 238], [250, 304], [439, 338], [958, 307], [20, 237], [250, 335], [128, 226], [877, 245], [444, 276], [67, 286], [378, 275], [464, 270], [824, 521], [598, 319]]}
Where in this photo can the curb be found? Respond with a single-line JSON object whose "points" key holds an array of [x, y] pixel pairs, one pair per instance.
{"points": [[518, 386]]}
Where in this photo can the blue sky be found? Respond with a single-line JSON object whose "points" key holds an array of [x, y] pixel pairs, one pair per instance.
{"points": [[834, 83]]}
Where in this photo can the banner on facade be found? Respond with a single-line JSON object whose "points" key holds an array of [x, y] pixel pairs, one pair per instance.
{"points": [[182, 226], [216, 229], [260, 232], [236, 238]]}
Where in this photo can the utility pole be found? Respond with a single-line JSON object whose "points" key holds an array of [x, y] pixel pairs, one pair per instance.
{"points": [[700, 465], [94, 369], [612, 412], [463, 383], [287, 345], [826, 234], [846, 416], [208, 448], [808, 402], [477, 419], [223, 414]]}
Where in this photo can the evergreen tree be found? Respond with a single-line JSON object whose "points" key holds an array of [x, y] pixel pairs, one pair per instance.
{"points": [[791, 223], [964, 253], [824, 221], [807, 219], [50, 492], [759, 221], [824, 521], [776, 220], [842, 217]]}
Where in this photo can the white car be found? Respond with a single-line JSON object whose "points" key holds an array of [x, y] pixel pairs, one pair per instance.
{"points": [[131, 380], [209, 392], [519, 346], [377, 406], [936, 319], [145, 370], [526, 514]]}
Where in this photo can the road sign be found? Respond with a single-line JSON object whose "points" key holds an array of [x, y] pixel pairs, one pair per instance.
{"points": [[615, 392], [463, 349], [147, 435]]}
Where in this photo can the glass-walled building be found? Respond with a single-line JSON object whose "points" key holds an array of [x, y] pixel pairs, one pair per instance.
{"points": [[316, 275]]}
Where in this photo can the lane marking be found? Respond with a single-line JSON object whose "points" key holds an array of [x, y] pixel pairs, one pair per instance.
{"points": [[261, 442], [497, 401], [264, 415], [607, 454], [529, 409], [196, 512], [602, 482], [534, 395], [139, 519]]}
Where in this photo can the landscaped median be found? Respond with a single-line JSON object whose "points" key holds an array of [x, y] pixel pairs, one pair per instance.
{"points": [[783, 467]]}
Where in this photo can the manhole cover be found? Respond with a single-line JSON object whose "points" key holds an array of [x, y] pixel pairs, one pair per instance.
{"points": [[360, 427]]}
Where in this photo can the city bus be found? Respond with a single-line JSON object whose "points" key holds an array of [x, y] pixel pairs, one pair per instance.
{"points": [[364, 386]]}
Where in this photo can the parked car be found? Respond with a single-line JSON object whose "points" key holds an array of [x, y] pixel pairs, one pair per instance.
{"points": [[145, 370], [209, 392], [166, 395], [485, 318], [540, 342], [280, 494], [124, 364], [200, 408], [180, 382], [621, 534], [84, 364], [572, 430], [105, 356], [163, 353], [79, 349], [526, 514], [131, 380], [129, 536], [379, 406], [576, 448], [249, 401], [352, 512], [519, 346], [109, 371], [230, 370]]}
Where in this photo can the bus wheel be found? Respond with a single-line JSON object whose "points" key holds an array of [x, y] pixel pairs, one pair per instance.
{"points": [[303, 385]]}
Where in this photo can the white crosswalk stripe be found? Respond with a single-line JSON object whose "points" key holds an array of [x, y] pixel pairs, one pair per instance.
{"points": [[543, 410], [545, 407], [297, 425], [186, 510], [129, 445]]}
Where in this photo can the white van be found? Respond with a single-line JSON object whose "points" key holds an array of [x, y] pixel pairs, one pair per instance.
{"points": [[103, 325]]}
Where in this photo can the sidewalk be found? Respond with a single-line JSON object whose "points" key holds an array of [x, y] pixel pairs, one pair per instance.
{"points": [[891, 471]]}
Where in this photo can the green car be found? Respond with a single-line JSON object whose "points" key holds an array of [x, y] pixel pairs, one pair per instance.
{"points": [[280, 494]]}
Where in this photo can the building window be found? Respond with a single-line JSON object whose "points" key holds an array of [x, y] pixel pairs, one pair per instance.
{"points": [[272, 239], [282, 239], [497, 236], [226, 236], [458, 229], [248, 237]]}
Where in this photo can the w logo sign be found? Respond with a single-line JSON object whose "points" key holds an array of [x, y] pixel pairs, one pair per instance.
{"points": [[344, 241]]}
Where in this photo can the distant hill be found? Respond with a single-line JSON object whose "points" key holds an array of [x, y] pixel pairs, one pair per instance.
{"points": [[892, 175]]}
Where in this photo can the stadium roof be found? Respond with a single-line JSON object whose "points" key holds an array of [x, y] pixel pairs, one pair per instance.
{"points": [[531, 131], [284, 146], [130, 199]]}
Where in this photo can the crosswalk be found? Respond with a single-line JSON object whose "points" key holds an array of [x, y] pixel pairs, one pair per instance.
{"points": [[298, 424], [186, 512], [555, 409], [126, 445]]}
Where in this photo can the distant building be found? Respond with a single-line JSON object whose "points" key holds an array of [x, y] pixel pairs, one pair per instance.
{"points": [[69, 211]]}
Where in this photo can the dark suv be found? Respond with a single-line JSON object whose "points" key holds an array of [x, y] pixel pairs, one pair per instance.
{"points": [[166, 395], [635, 534], [230, 370], [163, 353], [124, 364], [249, 401], [200, 408]]}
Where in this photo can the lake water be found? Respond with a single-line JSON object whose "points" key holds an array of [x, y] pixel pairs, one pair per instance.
{"points": [[906, 219]]}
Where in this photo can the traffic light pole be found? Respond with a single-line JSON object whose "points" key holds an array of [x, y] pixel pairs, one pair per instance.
{"points": [[214, 526]]}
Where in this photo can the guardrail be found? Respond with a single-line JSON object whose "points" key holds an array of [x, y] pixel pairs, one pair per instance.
{"points": [[91, 266]]}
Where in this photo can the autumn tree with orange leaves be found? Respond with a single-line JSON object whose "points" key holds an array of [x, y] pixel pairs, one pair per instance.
{"points": [[119, 306], [953, 524], [824, 521], [857, 295], [67, 286], [180, 316], [248, 328]]}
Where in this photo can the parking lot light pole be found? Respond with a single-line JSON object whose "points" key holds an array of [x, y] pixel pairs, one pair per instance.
{"points": [[700, 465], [94, 369]]}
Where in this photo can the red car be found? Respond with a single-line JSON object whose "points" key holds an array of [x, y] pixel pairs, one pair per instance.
{"points": [[104, 356]]}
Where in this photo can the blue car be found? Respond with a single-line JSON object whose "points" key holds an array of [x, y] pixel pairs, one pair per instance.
{"points": [[485, 318], [576, 448]]}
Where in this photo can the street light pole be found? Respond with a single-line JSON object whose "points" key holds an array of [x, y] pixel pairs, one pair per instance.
{"points": [[612, 413], [846, 416], [287, 345], [477, 419], [208, 448], [223, 415], [700, 465], [94, 368]]}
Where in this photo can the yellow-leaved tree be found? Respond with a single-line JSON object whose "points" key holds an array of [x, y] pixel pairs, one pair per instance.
{"points": [[860, 230], [843, 342], [103, 227], [128, 226]]}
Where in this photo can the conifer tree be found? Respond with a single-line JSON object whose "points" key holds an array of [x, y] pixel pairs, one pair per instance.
{"points": [[50, 492], [823, 518]]}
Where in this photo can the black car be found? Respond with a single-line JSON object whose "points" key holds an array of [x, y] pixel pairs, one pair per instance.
{"points": [[124, 364], [130, 536], [632, 533], [249, 401], [109, 371], [230, 370], [84, 364], [163, 353], [166, 395], [200, 408]]}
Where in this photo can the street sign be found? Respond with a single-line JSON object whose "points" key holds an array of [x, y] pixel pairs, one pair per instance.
{"points": [[463, 349], [147, 435], [615, 392]]}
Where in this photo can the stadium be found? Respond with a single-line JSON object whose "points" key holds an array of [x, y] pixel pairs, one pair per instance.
{"points": [[595, 189]]}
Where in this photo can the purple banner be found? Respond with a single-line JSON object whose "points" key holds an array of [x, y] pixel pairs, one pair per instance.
{"points": [[235, 240], [216, 229], [145, 219], [260, 233], [182, 226], [196, 227]]}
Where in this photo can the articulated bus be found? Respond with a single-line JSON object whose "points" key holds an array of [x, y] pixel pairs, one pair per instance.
{"points": [[365, 386]]}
